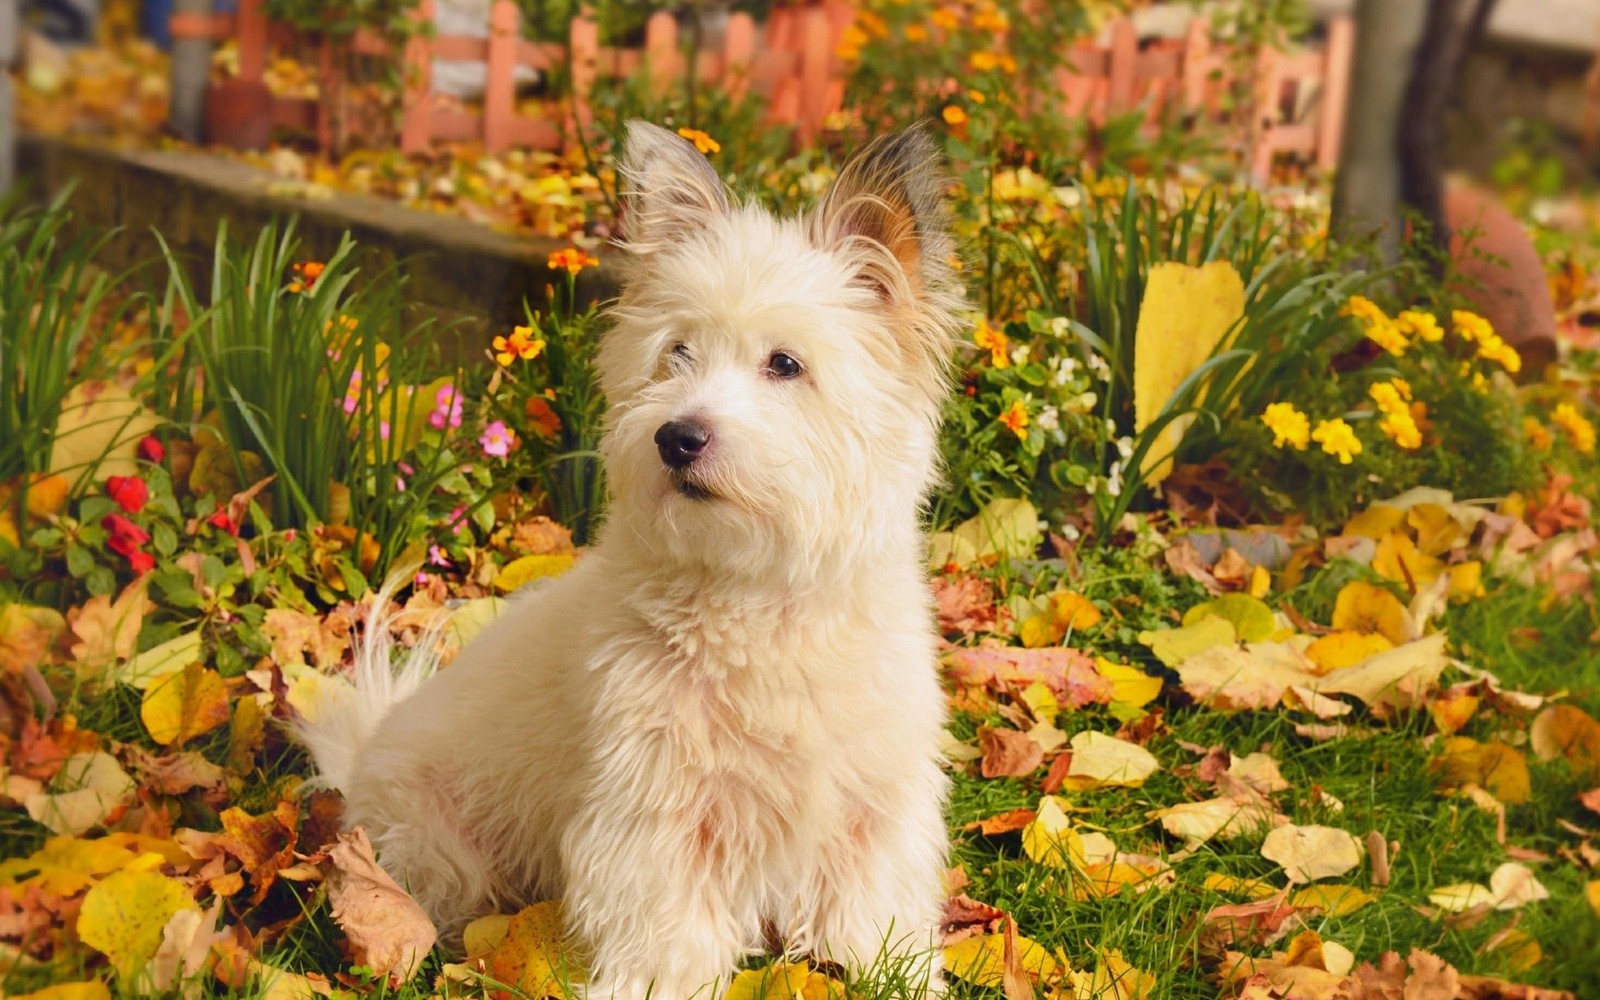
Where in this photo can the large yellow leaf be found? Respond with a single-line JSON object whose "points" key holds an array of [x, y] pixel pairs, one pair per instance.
{"points": [[107, 630], [1371, 610], [1336, 900], [778, 981], [520, 572], [65, 865], [123, 917], [980, 960], [1131, 687], [531, 958], [184, 704], [1184, 316], [99, 424]]}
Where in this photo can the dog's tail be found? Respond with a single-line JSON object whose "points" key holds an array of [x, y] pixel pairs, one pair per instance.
{"points": [[344, 715]]}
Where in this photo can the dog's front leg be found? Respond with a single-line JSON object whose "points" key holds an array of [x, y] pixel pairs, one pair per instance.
{"points": [[645, 901], [882, 889]]}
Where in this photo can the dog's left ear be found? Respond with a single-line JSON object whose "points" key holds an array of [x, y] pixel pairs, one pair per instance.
{"points": [[887, 211]]}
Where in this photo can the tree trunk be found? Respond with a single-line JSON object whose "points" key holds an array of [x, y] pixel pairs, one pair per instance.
{"points": [[1366, 197], [1453, 27], [1408, 57], [191, 74]]}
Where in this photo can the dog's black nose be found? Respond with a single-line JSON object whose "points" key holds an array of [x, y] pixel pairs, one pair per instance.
{"points": [[681, 441]]}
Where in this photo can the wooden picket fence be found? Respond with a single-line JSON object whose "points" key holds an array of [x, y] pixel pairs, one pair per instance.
{"points": [[1300, 98]]}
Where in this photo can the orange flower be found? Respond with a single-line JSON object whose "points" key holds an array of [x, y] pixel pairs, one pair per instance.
{"points": [[1016, 420], [703, 142], [573, 259], [542, 420], [953, 115], [306, 275], [994, 341], [521, 344]]}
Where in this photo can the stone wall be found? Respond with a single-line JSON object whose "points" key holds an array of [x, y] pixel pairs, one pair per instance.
{"points": [[461, 272]]}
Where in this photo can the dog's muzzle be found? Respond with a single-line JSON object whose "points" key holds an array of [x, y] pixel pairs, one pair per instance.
{"points": [[680, 442]]}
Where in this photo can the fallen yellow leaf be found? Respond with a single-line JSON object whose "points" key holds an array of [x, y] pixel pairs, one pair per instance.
{"points": [[123, 917], [520, 572], [980, 960], [1338, 650], [1336, 900], [184, 704], [1101, 761], [1309, 853], [1252, 620], [778, 981], [1570, 732], [66, 865], [1050, 838], [1493, 766], [531, 957], [1368, 608]]}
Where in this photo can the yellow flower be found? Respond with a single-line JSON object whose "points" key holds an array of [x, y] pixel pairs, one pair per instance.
{"points": [[1401, 386], [1016, 420], [983, 62], [573, 259], [953, 115], [1538, 434], [977, 97], [704, 143], [1420, 325], [521, 344], [1492, 348], [1400, 428], [1337, 438], [945, 18], [1288, 426], [1578, 427], [1381, 330], [994, 341], [989, 19], [916, 33], [1469, 326], [1365, 309], [1387, 396]]}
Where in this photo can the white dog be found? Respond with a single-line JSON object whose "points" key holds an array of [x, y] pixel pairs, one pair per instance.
{"points": [[726, 718]]}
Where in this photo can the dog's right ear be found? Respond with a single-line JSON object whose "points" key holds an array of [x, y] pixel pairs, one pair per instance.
{"points": [[669, 189]]}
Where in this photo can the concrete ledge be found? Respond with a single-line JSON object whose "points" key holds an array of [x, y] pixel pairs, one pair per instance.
{"points": [[456, 270]]}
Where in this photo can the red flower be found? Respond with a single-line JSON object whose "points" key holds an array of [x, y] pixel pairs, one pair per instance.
{"points": [[126, 537], [221, 520], [141, 562], [130, 492], [152, 450]]}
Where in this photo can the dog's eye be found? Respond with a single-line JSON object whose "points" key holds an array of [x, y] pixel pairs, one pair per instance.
{"points": [[783, 366]]}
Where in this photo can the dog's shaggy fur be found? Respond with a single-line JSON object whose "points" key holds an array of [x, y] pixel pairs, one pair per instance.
{"points": [[726, 718]]}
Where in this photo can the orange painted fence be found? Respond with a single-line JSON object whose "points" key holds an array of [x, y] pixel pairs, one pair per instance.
{"points": [[1300, 98]]}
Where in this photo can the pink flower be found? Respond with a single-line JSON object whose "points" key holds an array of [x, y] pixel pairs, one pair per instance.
{"points": [[437, 557], [497, 439], [446, 408]]}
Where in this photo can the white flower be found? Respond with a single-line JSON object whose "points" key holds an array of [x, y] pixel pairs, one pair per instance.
{"points": [[1019, 354], [1098, 366], [1085, 401], [1048, 419], [1070, 533], [1059, 327], [1114, 480], [1125, 447]]}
